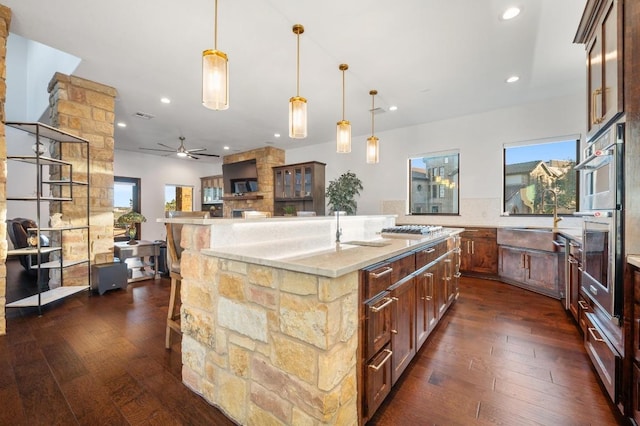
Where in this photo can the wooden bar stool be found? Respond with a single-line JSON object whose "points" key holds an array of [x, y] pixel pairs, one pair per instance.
{"points": [[174, 251]]}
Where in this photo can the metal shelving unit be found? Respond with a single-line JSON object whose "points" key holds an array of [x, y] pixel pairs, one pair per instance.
{"points": [[57, 176]]}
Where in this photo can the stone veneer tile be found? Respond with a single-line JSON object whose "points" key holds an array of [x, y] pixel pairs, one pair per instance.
{"points": [[298, 283], [336, 364], [259, 417], [330, 289], [242, 341], [195, 294], [248, 320], [349, 317], [307, 319], [260, 275], [232, 393], [272, 403], [231, 286], [199, 325], [239, 360], [233, 266], [193, 354], [263, 296], [295, 358]]}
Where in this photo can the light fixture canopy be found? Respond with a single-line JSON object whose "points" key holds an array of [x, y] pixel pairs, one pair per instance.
{"points": [[343, 129], [215, 74], [373, 148], [298, 104]]}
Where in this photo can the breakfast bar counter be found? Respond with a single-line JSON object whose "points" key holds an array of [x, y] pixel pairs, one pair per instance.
{"points": [[269, 313]]}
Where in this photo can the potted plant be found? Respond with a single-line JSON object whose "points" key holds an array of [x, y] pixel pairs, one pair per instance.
{"points": [[289, 210], [341, 193], [130, 219]]}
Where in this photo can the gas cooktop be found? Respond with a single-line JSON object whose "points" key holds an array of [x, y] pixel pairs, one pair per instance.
{"points": [[413, 230]]}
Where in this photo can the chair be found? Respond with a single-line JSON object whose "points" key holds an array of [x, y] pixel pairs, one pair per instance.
{"points": [[18, 234], [174, 251]]}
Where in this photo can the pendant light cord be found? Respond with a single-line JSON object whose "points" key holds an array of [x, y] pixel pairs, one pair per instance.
{"points": [[372, 109], [215, 28], [343, 95], [298, 67]]}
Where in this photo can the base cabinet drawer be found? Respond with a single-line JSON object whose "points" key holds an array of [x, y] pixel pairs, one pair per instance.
{"points": [[635, 394], [377, 323], [377, 380], [604, 357]]}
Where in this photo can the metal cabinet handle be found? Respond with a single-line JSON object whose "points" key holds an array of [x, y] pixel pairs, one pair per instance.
{"points": [[386, 358], [387, 270], [593, 334], [473, 247], [388, 301], [428, 275], [572, 261], [429, 250], [394, 331], [468, 246], [594, 96], [583, 305]]}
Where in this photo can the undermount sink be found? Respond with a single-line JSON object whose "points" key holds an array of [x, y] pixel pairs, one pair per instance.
{"points": [[536, 238]]}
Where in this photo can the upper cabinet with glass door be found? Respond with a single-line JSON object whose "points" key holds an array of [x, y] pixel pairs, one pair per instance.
{"points": [[601, 30], [301, 186]]}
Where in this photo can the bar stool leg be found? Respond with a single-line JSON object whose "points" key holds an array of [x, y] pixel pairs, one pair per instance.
{"points": [[173, 313]]}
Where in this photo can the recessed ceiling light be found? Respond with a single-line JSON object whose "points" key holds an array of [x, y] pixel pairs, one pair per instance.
{"points": [[226, 148], [510, 13], [122, 124], [276, 135], [393, 108], [165, 100], [512, 79]]}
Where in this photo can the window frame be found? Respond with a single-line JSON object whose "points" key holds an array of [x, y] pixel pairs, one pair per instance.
{"points": [[434, 189]]}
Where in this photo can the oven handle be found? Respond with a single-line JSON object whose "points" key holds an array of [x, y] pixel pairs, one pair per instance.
{"points": [[594, 213], [608, 150]]}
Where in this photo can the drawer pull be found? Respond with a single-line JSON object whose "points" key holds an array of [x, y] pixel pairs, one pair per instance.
{"points": [[387, 302], [583, 305], [429, 250], [593, 334], [571, 260], [386, 358], [428, 275], [427, 298], [394, 331], [387, 270], [457, 275]]}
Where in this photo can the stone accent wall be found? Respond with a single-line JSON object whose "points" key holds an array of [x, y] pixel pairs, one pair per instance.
{"points": [[86, 109], [267, 345], [5, 21], [266, 159]]}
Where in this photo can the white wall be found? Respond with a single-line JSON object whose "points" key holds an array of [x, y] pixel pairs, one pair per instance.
{"points": [[479, 138], [155, 172]]}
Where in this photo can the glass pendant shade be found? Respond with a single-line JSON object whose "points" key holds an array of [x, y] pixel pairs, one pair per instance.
{"points": [[343, 137], [215, 81], [373, 150], [297, 117]]}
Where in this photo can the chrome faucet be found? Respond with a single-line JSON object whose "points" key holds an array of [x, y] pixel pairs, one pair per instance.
{"points": [[556, 219]]}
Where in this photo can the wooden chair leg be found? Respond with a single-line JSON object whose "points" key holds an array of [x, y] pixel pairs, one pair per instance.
{"points": [[173, 313]]}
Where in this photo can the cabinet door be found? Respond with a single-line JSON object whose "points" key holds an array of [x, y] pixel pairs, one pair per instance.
{"points": [[288, 183], [308, 181], [377, 324], [465, 254], [403, 333], [574, 285], [377, 381], [610, 66], [594, 79], [279, 183], [511, 263], [425, 305], [635, 394], [484, 254], [542, 271]]}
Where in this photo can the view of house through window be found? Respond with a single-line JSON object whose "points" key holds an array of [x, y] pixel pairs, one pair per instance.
{"points": [[534, 170], [434, 182]]}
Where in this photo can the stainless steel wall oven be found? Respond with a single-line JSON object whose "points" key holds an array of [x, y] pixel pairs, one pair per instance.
{"points": [[602, 177]]}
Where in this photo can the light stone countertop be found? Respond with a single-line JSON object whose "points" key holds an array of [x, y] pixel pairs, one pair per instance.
{"points": [[634, 259], [333, 261]]}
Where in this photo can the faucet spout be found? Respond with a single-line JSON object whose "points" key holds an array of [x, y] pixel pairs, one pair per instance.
{"points": [[556, 219]]}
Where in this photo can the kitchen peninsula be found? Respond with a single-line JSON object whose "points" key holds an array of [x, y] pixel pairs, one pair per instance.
{"points": [[272, 313]]}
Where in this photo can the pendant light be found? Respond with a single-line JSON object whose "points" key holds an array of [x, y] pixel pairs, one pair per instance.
{"points": [[343, 132], [373, 155], [215, 74], [298, 104]]}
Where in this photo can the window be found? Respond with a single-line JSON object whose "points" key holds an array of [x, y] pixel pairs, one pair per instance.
{"points": [[532, 170], [434, 181], [126, 197], [178, 198]]}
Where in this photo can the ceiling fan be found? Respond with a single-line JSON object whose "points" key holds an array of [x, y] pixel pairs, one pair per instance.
{"points": [[181, 151]]}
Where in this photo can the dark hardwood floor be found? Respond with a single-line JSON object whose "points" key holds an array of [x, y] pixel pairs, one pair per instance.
{"points": [[502, 355]]}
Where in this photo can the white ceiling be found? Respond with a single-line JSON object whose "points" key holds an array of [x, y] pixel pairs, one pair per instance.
{"points": [[434, 59]]}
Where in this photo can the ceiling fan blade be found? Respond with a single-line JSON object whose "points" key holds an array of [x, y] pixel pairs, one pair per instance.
{"points": [[160, 150], [196, 149], [206, 155], [167, 146], [192, 157]]}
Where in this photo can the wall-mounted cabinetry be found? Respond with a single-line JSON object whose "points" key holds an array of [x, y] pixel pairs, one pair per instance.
{"points": [[53, 181], [603, 35], [212, 191], [300, 186]]}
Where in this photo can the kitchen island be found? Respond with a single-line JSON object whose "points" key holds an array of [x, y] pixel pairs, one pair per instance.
{"points": [[270, 313]]}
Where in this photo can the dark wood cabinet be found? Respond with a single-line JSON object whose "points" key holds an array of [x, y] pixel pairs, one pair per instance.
{"points": [[377, 381], [532, 269], [574, 276], [426, 313], [403, 326], [479, 252], [300, 186], [602, 35]]}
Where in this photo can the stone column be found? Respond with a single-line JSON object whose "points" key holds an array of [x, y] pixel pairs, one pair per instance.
{"points": [[5, 20], [86, 109]]}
